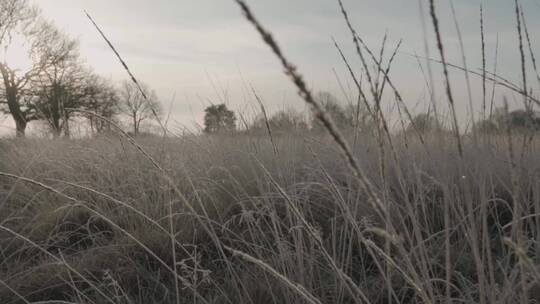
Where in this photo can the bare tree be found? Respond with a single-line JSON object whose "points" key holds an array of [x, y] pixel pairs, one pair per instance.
{"points": [[62, 92], [333, 107], [135, 106], [16, 17], [102, 99], [34, 94], [60, 86]]}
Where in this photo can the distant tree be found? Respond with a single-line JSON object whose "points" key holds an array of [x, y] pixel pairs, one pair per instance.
{"points": [[14, 101], [16, 18], [524, 120], [56, 85], [423, 123], [359, 117], [218, 118], [133, 104], [334, 109], [103, 100], [518, 120], [61, 86], [487, 127], [282, 121], [45, 90]]}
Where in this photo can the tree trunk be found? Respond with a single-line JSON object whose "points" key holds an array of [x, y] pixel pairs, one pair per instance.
{"points": [[56, 115], [135, 125], [12, 98], [91, 121], [55, 124], [56, 132], [67, 131], [21, 127]]}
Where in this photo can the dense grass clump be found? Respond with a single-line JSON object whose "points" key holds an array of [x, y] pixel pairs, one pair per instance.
{"points": [[228, 220]]}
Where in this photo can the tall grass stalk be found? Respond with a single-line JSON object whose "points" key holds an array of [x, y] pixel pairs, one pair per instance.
{"points": [[300, 218], [449, 94]]}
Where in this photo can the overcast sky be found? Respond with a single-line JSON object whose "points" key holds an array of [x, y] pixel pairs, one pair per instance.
{"points": [[200, 49]]}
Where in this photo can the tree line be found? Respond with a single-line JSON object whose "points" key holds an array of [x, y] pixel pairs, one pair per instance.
{"points": [[219, 119], [57, 86]]}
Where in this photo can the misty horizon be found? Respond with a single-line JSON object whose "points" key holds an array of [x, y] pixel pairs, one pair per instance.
{"points": [[201, 53]]}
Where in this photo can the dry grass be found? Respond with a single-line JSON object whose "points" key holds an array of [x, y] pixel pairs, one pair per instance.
{"points": [[228, 219], [90, 220]]}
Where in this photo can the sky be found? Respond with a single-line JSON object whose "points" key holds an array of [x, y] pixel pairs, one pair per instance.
{"points": [[194, 53]]}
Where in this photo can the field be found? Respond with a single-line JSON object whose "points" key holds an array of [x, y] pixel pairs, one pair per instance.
{"points": [[98, 221], [435, 212]]}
